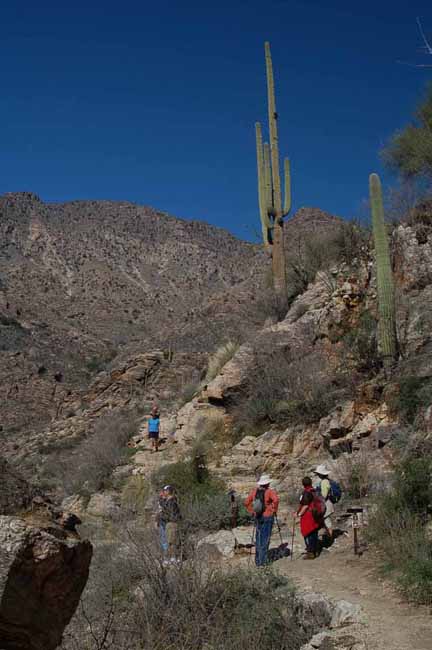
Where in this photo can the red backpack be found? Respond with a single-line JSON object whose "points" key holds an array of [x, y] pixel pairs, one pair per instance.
{"points": [[318, 508]]}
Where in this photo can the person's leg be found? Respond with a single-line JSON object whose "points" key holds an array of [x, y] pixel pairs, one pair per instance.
{"points": [[259, 552], [171, 532], [328, 527], [163, 537], [266, 535], [156, 441], [313, 542]]}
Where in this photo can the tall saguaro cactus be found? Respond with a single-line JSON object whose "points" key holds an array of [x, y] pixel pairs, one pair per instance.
{"points": [[269, 187], [386, 298]]}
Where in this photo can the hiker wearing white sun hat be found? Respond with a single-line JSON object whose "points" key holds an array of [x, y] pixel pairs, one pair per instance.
{"points": [[323, 487], [263, 504]]}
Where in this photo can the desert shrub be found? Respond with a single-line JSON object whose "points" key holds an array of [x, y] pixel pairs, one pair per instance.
{"points": [[355, 475], [288, 387], [99, 363], [192, 606], [399, 525], [188, 392], [415, 393], [361, 344], [320, 251], [214, 438], [223, 354], [190, 477], [88, 468], [135, 494], [412, 395]]}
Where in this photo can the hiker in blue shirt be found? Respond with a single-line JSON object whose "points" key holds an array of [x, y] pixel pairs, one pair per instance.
{"points": [[153, 432]]}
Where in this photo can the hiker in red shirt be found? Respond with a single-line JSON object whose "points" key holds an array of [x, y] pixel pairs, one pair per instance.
{"points": [[262, 503], [308, 524]]}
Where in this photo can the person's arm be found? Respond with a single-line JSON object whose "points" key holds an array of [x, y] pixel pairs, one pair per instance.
{"points": [[274, 502], [301, 511]]}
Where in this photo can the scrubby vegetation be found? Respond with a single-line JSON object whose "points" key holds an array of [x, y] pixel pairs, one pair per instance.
{"points": [[320, 251], [204, 500], [288, 387], [135, 602], [401, 527], [89, 466]]}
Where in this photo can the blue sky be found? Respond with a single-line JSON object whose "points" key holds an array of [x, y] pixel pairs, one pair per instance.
{"points": [[155, 102]]}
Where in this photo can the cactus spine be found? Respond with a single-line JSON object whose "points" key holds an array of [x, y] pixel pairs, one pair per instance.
{"points": [[386, 300], [269, 184]]}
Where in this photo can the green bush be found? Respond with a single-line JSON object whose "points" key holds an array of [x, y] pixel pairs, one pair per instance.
{"points": [[399, 526], [415, 393], [361, 344]]}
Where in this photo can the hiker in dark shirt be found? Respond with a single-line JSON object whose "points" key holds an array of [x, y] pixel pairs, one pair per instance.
{"points": [[168, 518]]}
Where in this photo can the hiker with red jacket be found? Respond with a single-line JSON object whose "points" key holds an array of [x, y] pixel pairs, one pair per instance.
{"points": [[262, 503], [308, 524]]}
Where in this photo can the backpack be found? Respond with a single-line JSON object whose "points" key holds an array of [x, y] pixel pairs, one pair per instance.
{"points": [[258, 504], [335, 491], [318, 508]]}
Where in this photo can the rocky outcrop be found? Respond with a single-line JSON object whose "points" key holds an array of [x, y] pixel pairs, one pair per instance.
{"points": [[41, 581], [15, 493]]}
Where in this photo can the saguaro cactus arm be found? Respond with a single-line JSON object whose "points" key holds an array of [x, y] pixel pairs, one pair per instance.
{"points": [[385, 286], [274, 148], [287, 174], [262, 187]]}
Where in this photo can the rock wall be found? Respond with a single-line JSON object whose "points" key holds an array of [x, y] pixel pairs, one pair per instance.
{"points": [[41, 581]]}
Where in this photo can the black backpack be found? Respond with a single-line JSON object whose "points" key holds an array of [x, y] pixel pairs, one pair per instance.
{"points": [[258, 504]]}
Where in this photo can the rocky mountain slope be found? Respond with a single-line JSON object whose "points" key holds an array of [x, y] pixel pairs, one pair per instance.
{"points": [[83, 282]]}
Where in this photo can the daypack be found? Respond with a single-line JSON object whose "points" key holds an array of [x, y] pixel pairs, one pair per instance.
{"points": [[318, 508], [335, 491], [258, 504]]}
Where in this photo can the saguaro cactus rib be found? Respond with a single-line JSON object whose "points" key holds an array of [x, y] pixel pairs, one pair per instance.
{"points": [[386, 299]]}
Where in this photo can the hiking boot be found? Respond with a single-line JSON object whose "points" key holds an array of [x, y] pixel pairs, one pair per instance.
{"points": [[309, 556]]}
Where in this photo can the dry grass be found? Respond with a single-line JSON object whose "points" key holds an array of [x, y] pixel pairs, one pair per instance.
{"points": [[223, 354]]}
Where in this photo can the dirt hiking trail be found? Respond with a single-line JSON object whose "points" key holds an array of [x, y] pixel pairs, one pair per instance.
{"points": [[390, 624]]}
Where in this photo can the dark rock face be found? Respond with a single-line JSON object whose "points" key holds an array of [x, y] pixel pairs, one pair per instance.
{"points": [[41, 581]]}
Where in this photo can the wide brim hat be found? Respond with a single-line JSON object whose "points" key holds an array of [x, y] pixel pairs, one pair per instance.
{"points": [[322, 470], [264, 480]]}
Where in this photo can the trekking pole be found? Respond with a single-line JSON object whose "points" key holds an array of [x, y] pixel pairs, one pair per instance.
{"points": [[292, 539], [252, 541]]}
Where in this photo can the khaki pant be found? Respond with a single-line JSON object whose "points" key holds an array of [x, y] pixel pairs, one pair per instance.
{"points": [[172, 538]]}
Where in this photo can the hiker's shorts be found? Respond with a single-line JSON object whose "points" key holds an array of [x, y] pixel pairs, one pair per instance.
{"points": [[153, 435], [171, 534], [328, 522]]}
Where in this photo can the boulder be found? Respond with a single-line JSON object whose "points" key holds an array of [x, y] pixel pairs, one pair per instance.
{"points": [[345, 613], [41, 581], [313, 612], [220, 544], [339, 423], [104, 504]]}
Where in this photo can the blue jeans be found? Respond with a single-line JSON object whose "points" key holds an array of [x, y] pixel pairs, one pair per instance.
{"points": [[311, 542], [263, 531], [163, 536]]}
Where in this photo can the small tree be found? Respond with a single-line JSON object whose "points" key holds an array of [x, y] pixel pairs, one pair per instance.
{"points": [[410, 150]]}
